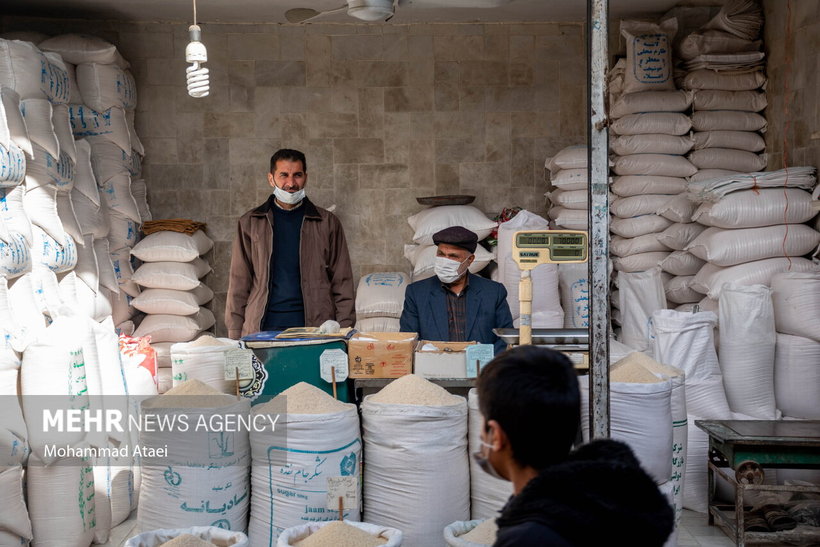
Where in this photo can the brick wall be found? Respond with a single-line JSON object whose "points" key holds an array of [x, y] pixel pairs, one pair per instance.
{"points": [[385, 113]]}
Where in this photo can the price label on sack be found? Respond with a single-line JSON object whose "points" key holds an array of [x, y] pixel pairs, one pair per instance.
{"points": [[241, 359], [478, 355], [330, 359], [346, 488]]}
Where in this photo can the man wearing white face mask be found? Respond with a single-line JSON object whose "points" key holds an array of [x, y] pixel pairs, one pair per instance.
{"points": [[456, 305], [289, 264]]}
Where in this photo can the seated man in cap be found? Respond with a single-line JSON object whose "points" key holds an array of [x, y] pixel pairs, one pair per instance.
{"points": [[456, 306]]}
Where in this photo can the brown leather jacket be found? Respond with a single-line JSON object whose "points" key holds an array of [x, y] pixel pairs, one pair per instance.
{"points": [[327, 278]]}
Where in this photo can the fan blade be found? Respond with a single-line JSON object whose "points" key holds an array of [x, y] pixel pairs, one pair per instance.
{"points": [[300, 15]]}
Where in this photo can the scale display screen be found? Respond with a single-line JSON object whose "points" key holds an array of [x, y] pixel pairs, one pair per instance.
{"points": [[532, 248]]}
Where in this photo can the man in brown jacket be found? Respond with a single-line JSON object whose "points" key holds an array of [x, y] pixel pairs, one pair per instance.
{"points": [[289, 263]]}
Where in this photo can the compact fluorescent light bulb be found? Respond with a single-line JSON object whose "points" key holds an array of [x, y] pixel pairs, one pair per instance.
{"points": [[197, 75]]}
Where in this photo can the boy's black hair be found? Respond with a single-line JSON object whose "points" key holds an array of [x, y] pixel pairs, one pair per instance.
{"points": [[533, 394], [288, 155]]}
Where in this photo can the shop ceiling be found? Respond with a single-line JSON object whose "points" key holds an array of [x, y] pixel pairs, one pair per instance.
{"points": [[272, 11]]}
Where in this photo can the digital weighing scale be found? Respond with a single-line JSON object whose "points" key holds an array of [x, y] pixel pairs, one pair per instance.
{"points": [[532, 248]]}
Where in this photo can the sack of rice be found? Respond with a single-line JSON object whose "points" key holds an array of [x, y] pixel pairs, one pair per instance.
{"points": [[340, 534], [195, 536], [638, 226], [667, 123], [639, 262], [203, 478], [105, 85], [203, 360], [654, 164], [487, 493], [633, 206], [729, 159], [729, 247], [651, 144], [571, 157], [651, 101], [640, 414], [15, 526], [180, 276], [679, 235], [471, 533], [715, 99], [173, 302], [425, 486], [797, 376], [166, 246], [636, 185], [682, 263], [686, 341], [648, 55], [755, 208], [641, 293], [747, 349], [427, 222], [61, 502], [711, 278], [727, 120], [678, 290], [109, 124], [381, 294], [315, 437], [175, 328], [710, 79], [24, 68], [796, 300], [623, 247], [570, 179], [573, 280]]}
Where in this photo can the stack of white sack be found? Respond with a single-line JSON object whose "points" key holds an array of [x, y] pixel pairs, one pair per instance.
{"points": [[796, 301], [379, 301], [569, 182], [425, 223], [649, 145], [724, 70], [172, 294], [754, 229], [101, 110]]}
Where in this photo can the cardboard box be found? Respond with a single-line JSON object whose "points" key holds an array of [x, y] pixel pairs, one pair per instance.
{"points": [[381, 354], [449, 362]]}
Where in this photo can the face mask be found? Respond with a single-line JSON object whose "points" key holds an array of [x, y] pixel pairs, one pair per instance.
{"points": [[449, 271], [484, 462], [288, 197]]}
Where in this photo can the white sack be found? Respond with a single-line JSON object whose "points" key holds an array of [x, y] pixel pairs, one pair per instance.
{"points": [[111, 124], [173, 302], [748, 141], [648, 55], [46, 251], [166, 246], [62, 129], [654, 164], [105, 85], [175, 328], [638, 226], [378, 324], [40, 205], [641, 294], [425, 486], [668, 123], [635, 185], [727, 120], [651, 101], [286, 490], [710, 279], [651, 144], [570, 199], [427, 222], [708, 41], [639, 262], [296, 534], [634, 206], [206, 363], [570, 179], [620, 246], [729, 247], [84, 48], [381, 294], [84, 180], [796, 300], [747, 344], [15, 257], [571, 157], [13, 128], [729, 159], [12, 165], [705, 175], [487, 493], [678, 209], [572, 219], [679, 291], [754, 208], [715, 99], [116, 195], [24, 68], [121, 263], [797, 376], [711, 79], [140, 192]]}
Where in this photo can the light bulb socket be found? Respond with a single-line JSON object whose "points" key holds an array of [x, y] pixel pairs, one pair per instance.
{"points": [[195, 33]]}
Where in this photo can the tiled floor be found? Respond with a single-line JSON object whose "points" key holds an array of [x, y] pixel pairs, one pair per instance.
{"points": [[693, 532]]}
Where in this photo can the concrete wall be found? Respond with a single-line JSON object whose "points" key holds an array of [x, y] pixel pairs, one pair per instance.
{"points": [[793, 68], [385, 113]]}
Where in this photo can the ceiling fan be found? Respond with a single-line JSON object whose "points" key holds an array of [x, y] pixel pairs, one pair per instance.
{"points": [[366, 10]]}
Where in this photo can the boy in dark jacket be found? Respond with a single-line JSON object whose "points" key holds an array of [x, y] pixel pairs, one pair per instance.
{"points": [[595, 495]]}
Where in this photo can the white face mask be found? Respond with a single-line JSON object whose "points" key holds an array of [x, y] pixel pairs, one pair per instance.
{"points": [[288, 197], [449, 271]]}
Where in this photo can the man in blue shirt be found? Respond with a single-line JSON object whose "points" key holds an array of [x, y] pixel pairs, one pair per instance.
{"points": [[455, 305]]}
